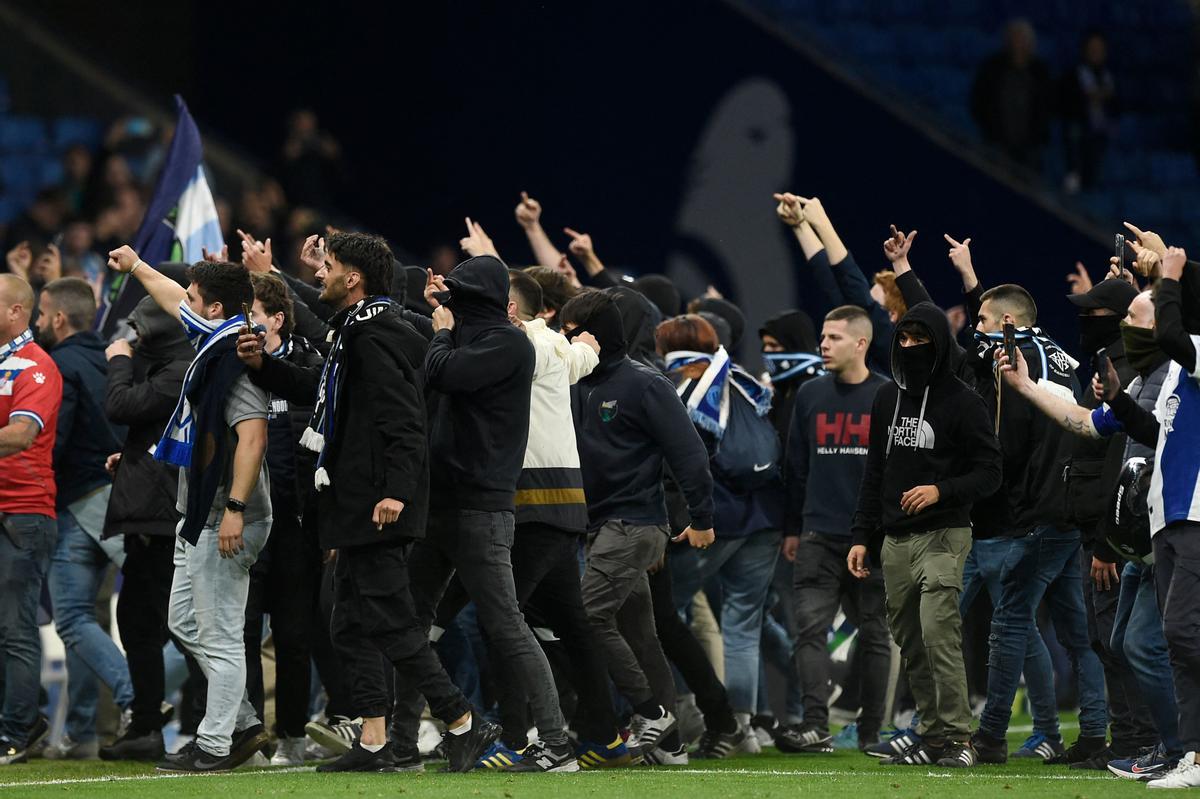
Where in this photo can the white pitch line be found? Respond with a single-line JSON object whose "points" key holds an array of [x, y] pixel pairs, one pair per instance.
{"points": [[739, 772]]}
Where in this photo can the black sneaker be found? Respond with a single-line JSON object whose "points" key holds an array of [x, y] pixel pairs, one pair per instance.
{"points": [[1083, 749], [463, 751], [958, 755], [135, 745], [246, 743], [539, 757], [867, 738], [11, 752], [405, 759], [901, 743], [923, 754], [1097, 762], [720, 745], [359, 759], [807, 740], [990, 750], [192, 758]]}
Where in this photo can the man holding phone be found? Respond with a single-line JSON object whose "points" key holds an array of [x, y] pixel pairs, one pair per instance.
{"points": [[218, 437]]}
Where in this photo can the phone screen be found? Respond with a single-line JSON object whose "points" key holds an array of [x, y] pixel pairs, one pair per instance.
{"points": [[1119, 248], [1010, 342]]}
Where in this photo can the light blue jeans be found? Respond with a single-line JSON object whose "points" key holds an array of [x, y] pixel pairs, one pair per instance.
{"points": [[208, 615], [743, 566], [77, 569]]}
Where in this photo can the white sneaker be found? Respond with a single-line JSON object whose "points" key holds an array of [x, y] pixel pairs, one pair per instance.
{"points": [[661, 757], [644, 733], [66, 749], [751, 745], [429, 737], [1185, 775], [257, 760], [289, 752], [339, 734]]}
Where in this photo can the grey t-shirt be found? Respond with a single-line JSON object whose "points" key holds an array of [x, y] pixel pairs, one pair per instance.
{"points": [[246, 401]]}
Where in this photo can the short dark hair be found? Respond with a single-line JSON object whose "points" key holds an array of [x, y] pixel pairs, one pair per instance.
{"points": [[556, 289], [223, 282], [272, 293], [584, 305], [367, 254], [853, 316], [75, 297], [1013, 300], [527, 291]]}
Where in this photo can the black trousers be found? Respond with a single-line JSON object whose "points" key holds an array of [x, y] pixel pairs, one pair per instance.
{"points": [[1131, 724], [685, 653], [373, 612], [142, 620], [330, 669], [285, 583], [545, 562], [1177, 582]]}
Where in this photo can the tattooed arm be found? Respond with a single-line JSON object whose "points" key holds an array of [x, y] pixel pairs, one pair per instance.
{"points": [[1061, 408]]}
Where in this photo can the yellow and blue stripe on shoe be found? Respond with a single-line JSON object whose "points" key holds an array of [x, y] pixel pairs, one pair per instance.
{"points": [[498, 757], [593, 755]]}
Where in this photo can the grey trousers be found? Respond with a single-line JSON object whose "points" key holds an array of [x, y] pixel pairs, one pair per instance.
{"points": [[616, 598]]}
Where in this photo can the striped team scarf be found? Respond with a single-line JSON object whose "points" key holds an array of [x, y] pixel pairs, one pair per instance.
{"points": [[707, 397]]}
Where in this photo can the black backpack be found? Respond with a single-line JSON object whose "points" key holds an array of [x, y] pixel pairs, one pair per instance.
{"points": [[748, 456]]}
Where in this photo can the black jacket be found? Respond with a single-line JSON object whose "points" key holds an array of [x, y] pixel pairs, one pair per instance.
{"points": [[380, 450], [142, 393], [479, 377], [940, 436], [85, 436], [287, 422]]}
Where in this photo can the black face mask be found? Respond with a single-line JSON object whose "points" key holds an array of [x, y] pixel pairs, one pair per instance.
{"points": [[1141, 350], [1098, 331], [916, 366]]}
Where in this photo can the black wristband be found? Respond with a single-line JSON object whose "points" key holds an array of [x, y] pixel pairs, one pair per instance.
{"points": [[235, 505]]}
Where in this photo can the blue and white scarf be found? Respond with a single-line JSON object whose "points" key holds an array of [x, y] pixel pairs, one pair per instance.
{"points": [[16, 344], [707, 397], [175, 446], [783, 366], [320, 429]]}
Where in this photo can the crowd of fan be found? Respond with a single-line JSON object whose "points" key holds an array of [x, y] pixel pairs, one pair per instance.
{"points": [[549, 512]]}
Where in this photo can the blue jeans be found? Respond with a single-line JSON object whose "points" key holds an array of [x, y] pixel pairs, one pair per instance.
{"points": [[77, 568], [1138, 639], [984, 569], [207, 616], [743, 567], [26, 541], [1044, 563]]}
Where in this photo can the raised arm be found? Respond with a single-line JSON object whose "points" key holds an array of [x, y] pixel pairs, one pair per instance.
{"points": [[581, 247], [165, 291], [791, 214], [1066, 414], [1169, 331], [529, 217]]}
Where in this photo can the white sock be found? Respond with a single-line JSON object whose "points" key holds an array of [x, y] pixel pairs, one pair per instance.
{"points": [[463, 728], [743, 720], [372, 747]]}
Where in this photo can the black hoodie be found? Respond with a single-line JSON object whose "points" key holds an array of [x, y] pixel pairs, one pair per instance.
{"points": [[478, 377], [933, 434], [794, 330], [628, 422]]}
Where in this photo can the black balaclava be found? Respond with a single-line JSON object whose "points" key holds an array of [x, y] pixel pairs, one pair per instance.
{"points": [[1096, 332], [730, 313], [1141, 349], [916, 365], [606, 325], [724, 332], [662, 292]]}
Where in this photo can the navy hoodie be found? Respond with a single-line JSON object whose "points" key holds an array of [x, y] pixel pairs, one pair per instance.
{"points": [[936, 432], [478, 378], [85, 436], [628, 423]]}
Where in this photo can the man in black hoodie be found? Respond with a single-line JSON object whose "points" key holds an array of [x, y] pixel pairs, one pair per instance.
{"points": [[368, 429], [479, 373], [924, 472], [629, 422]]}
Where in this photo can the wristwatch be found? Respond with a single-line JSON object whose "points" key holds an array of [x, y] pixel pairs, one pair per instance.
{"points": [[235, 505]]}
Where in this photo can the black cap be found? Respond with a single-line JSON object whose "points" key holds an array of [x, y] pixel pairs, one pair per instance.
{"points": [[1114, 294]]}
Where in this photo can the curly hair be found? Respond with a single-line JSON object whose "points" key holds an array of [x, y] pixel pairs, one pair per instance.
{"points": [[893, 300], [367, 254]]}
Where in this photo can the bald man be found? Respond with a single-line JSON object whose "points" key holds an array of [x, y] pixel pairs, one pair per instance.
{"points": [[30, 396]]}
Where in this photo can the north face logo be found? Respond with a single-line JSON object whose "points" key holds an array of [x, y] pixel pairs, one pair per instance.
{"points": [[912, 432]]}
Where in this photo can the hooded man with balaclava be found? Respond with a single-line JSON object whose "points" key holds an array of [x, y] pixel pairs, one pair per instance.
{"points": [[1135, 635], [792, 358], [925, 470], [479, 374], [629, 422]]}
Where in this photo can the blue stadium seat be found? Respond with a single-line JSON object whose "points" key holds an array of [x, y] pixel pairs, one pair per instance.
{"points": [[20, 175], [19, 134], [78, 130], [10, 208]]}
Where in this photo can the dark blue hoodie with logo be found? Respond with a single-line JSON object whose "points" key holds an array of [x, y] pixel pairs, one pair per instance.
{"points": [[629, 422]]}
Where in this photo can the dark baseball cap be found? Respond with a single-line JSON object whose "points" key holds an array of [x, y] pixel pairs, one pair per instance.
{"points": [[1114, 294]]}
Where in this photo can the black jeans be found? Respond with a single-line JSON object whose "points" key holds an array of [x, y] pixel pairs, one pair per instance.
{"points": [[822, 583], [330, 669], [1129, 718], [374, 612], [1177, 581], [285, 583], [680, 646], [545, 562], [142, 621]]}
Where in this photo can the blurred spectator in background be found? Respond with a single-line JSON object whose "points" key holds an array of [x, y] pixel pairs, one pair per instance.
{"points": [[77, 169], [1089, 105], [1012, 95], [40, 222], [443, 259], [312, 169]]}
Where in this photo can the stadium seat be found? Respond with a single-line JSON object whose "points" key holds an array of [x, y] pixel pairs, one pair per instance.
{"points": [[77, 130], [20, 134]]}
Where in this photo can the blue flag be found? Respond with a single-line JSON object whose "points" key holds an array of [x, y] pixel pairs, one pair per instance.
{"points": [[180, 221]]}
